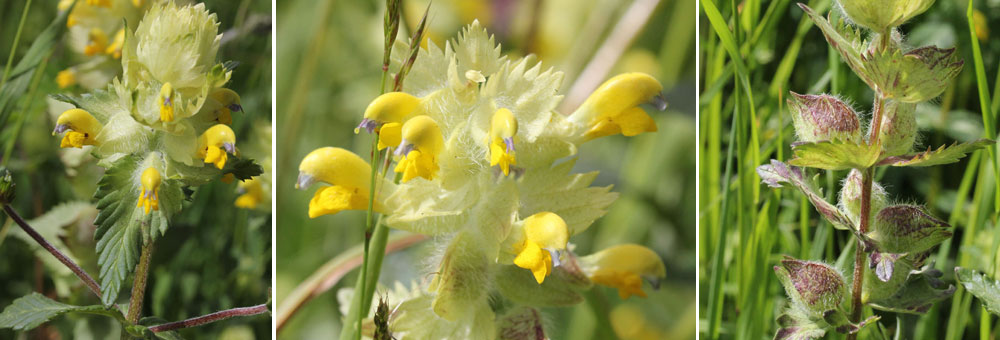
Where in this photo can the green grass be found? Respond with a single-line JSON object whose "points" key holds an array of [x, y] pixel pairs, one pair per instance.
{"points": [[745, 228]]}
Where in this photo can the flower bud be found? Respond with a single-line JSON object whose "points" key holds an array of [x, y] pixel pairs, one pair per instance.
{"points": [[850, 197], [907, 229], [882, 15], [823, 117], [817, 287], [6, 187], [898, 133]]}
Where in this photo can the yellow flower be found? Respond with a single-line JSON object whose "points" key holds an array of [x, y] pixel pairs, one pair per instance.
{"points": [[503, 127], [66, 78], [138, 3], [545, 234], [229, 102], [115, 49], [420, 144], [386, 114], [167, 103], [101, 3], [215, 143], [149, 198], [252, 195], [624, 267], [97, 42], [349, 178], [80, 127], [614, 107]]}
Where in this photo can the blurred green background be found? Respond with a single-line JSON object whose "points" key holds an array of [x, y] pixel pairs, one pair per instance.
{"points": [[215, 256], [331, 54], [783, 51]]}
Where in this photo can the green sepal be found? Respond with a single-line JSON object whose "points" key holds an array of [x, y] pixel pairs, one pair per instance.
{"points": [[32, 310], [121, 225], [922, 289], [907, 229], [794, 327], [835, 155], [978, 284], [560, 289], [521, 323], [943, 155], [916, 76]]}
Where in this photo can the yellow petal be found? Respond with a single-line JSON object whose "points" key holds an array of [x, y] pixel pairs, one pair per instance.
{"points": [[417, 164], [337, 166], [500, 156], [424, 133], [533, 258], [613, 107], [389, 135], [73, 139], [546, 229], [333, 199], [392, 107], [247, 201], [167, 103], [216, 156], [66, 78], [628, 284], [623, 267]]}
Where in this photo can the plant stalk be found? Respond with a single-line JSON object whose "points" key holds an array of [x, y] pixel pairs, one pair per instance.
{"points": [[209, 318], [139, 284], [13, 48], [80, 273]]}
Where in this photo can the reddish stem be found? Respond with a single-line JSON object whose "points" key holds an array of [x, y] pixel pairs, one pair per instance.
{"points": [[210, 318]]}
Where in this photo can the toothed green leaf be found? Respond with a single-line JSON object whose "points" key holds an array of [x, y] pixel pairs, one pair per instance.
{"points": [[834, 155], [943, 155], [32, 310], [979, 285]]}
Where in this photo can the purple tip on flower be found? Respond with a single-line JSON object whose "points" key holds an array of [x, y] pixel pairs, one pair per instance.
{"points": [[404, 148], [230, 147], [304, 181], [653, 281], [368, 124], [659, 102], [554, 254], [167, 101], [235, 107], [509, 141], [60, 128]]}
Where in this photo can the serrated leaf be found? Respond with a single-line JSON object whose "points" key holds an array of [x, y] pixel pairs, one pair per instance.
{"points": [[243, 168], [32, 310], [834, 155], [121, 224], [979, 285], [568, 195], [922, 289], [777, 174], [943, 155], [915, 76]]}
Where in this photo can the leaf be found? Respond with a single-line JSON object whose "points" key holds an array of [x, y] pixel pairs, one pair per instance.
{"points": [[51, 226], [834, 155], [777, 174], [792, 328], [943, 155], [121, 224], [979, 285], [915, 76], [921, 290], [568, 195], [844, 39], [243, 168], [32, 310], [20, 76]]}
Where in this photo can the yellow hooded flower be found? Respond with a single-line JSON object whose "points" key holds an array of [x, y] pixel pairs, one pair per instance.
{"points": [[97, 42], [545, 234], [503, 127], [420, 145], [66, 78], [386, 114], [624, 267], [253, 194], [229, 102], [80, 127], [614, 107], [115, 49], [348, 175], [167, 103], [149, 198], [216, 143]]}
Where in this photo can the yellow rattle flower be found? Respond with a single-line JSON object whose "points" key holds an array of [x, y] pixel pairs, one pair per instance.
{"points": [[216, 143], [503, 127], [115, 49], [66, 78], [624, 267], [545, 234], [229, 101], [253, 194], [80, 127], [167, 103], [614, 107], [386, 114], [420, 144], [97, 42], [349, 178], [149, 198]]}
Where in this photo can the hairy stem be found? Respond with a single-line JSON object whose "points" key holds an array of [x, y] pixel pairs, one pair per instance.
{"points": [[210, 318], [139, 284], [87, 280]]}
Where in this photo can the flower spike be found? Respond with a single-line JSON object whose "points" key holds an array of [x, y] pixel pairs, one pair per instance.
{"points": [[503, 127], [347, 174], [80, 127], [545, 234], [624, 267], [149, 198], [420, 144], [167, 103], [215, 143], [614, 107]]}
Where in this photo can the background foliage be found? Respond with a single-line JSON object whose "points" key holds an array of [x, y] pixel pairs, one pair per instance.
{"points": [[746, 228], [215, 257], [331, 53]]}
